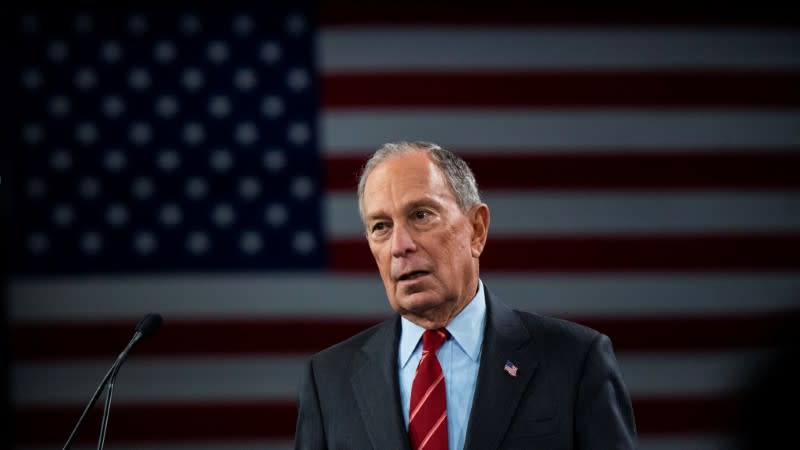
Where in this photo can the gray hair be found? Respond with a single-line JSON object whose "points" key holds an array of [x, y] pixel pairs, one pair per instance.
{"points": [[456, 171]]}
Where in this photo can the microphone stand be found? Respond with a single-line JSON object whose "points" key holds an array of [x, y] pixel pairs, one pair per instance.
{"points": [[147, 326], [111, 373], [107, 402]]}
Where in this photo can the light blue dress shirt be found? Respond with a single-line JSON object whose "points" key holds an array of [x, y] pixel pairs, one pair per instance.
{"points": [[459, 357]]}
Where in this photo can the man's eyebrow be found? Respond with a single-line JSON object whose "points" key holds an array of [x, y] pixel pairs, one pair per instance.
{"points": [[376, 215], [423, 202]]}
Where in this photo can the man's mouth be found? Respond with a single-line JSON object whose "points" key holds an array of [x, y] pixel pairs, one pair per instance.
{"points": [[412, 275]]}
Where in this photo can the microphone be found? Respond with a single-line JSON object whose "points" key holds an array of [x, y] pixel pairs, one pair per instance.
{"points": [[148, 325]]}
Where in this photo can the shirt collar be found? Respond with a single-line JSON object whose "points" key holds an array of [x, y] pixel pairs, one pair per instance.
{"points": [[461, 328]]}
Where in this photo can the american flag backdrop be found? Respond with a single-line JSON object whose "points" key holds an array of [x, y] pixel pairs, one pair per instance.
{"points": [[198, 160]]}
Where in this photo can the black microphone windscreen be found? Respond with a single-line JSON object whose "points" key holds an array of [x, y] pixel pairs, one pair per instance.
{"points": [[149, 324]]}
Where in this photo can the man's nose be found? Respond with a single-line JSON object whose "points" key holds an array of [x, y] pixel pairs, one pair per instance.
{"points": [[402, 241]]}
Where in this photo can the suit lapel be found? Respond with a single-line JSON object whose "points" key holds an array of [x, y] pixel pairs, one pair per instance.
{"points": [[497, 393], [375, 388]]}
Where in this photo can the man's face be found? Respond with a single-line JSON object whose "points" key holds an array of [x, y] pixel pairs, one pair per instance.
{"points": [[426, 248]]}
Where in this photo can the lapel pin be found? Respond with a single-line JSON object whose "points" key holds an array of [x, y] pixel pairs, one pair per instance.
{"points": [[510, 368]]}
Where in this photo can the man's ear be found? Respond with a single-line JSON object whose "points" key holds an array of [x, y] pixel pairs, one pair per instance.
{"points": [[479, 220]]}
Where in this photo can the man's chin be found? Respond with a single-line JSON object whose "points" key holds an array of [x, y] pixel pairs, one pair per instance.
{"points": [[418, 303]]}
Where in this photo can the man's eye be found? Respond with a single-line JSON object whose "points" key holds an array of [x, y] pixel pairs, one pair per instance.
{"points": [[421, 214], [378, 226]]}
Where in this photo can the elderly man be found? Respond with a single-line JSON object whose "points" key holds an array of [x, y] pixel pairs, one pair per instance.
{"points": [[456, 368]]}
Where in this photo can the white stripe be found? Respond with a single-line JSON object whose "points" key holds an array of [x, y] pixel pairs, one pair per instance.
{"points": [[146, 380], [598, 212], [425, 396], [697, 373], [537, 47], [356, 132], [267, 378], [353, 296]]}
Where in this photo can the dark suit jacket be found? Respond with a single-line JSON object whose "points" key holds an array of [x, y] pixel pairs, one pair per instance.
{"points": [[568, 392]]}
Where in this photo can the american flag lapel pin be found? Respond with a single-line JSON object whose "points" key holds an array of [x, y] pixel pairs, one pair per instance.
{"points": [[510, 368]]}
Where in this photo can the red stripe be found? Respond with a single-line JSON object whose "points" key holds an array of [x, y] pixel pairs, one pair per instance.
{"points": [[342, 13], [263, 420], [748, 169], [40, 341], [574, 254], [603, 89]]}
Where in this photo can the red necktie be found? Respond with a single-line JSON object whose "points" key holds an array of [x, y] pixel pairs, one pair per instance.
{"points": [[427, 416]]}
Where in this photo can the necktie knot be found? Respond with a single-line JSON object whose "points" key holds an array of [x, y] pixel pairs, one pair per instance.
{"points": [[432, 340]]}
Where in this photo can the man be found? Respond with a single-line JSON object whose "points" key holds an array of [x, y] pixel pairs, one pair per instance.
{"points": [[456, 368]]}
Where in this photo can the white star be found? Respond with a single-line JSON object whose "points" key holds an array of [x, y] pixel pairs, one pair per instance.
{"points": [[270, 52], [192, 79], [299, 134], [223, 215], [115, 160], [198, 242], [272, 106], [63, 215], [168, 160], [302, 187], [139, 79], [142, 187], [297, 79], [274, 160], [276, 215], [249, 188], [86, 133], [250, 242], [217, 52], [145, 242], [83, 23], [33, 133], [196, 188], [113, 106], [246, 134], [111, 51], [91, 242], [303, 242], [137, 24], [36, 188], [89, 188], [57, 51], [59, 105], [167, 106], [194, 133], [296, 24], [31, 79], [140, 133], [243, 24], [221, 160], [164, 52], [117, 215], [190, 24], [37, 243], [61, 160], [219, 106], [245, 79], [85, 78], [170, 215], [29, 23]]}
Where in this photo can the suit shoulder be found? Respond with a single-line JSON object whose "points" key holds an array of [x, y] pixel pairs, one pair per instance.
{"points": [[345, 349], [557, 329]]}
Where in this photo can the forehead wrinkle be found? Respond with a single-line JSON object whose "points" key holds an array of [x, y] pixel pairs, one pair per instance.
{"points": [[430, 189]]}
